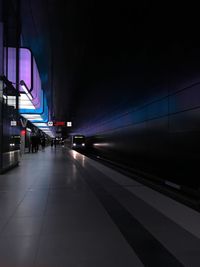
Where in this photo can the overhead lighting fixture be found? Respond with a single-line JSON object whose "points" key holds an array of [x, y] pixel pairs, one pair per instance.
{"points": [[40, 124], [24, 87], [25, 102], [32, 117]]}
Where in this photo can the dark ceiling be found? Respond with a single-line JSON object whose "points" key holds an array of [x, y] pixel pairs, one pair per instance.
{"points": [[96, 56]]}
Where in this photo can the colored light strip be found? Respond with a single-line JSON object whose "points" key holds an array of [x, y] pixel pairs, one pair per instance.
{"points": [[40, 124], [32, 117], [23, 85], [25, 103]]}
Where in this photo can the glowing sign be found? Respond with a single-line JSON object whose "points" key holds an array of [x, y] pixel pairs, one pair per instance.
{"points": [[50, 123], [59, 123], [69, 124], [13, 123]]}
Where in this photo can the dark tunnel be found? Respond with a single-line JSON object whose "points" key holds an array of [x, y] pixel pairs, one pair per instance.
{"points": [[99, 133], [126, 75]]}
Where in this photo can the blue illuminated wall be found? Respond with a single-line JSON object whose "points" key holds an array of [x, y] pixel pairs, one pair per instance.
{"points": [[159, 136]]}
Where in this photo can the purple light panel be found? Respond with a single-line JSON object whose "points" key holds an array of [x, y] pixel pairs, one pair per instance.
{"points": [[36, 81], [25, 66], [1, 48], [28, 72], [10, 64]]}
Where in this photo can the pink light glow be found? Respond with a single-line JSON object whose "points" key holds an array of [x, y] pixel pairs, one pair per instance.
{"points": [[28, 72], [25, 66]]}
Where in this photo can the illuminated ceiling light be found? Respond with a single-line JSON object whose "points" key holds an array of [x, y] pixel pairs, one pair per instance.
{"points": [[27, 106], [24, 87], [32, 117], [40, 124], [25, 103], [11, 101]]}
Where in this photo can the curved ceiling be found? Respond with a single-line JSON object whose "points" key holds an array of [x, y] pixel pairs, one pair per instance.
{"points": [[98, 56]]}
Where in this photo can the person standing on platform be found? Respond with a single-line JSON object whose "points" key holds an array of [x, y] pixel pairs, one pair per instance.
{"points": [[43, 143], [55, 142], [37, 143], [33, 143], [51, 142]]}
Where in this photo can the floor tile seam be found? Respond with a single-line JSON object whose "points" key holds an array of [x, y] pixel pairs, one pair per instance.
{"points": [[40, 233], [27, 217], [106, 169], [112, 179], [149, 206], [78, 166], [133, 218], [18, 235], [155, 233], [167, 214], [116, 184], [131, 193], [150, 189], [147, 228], [12, 215], [142, 200], [112, 228], [122, 185]]}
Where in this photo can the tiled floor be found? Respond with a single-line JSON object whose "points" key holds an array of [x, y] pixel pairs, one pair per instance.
{"points": [[61, 209]]}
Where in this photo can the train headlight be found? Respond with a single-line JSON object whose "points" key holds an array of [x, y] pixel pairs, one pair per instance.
{"points": [[83, 144], [12, 144]]}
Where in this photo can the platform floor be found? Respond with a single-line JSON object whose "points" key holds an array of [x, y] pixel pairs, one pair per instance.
{"points": [[62, 209]]}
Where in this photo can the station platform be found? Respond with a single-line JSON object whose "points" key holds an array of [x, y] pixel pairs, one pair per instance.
{"points": [[62, 209]]}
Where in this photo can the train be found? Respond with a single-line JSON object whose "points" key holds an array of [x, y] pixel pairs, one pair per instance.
{"points": [[78, 141]]}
